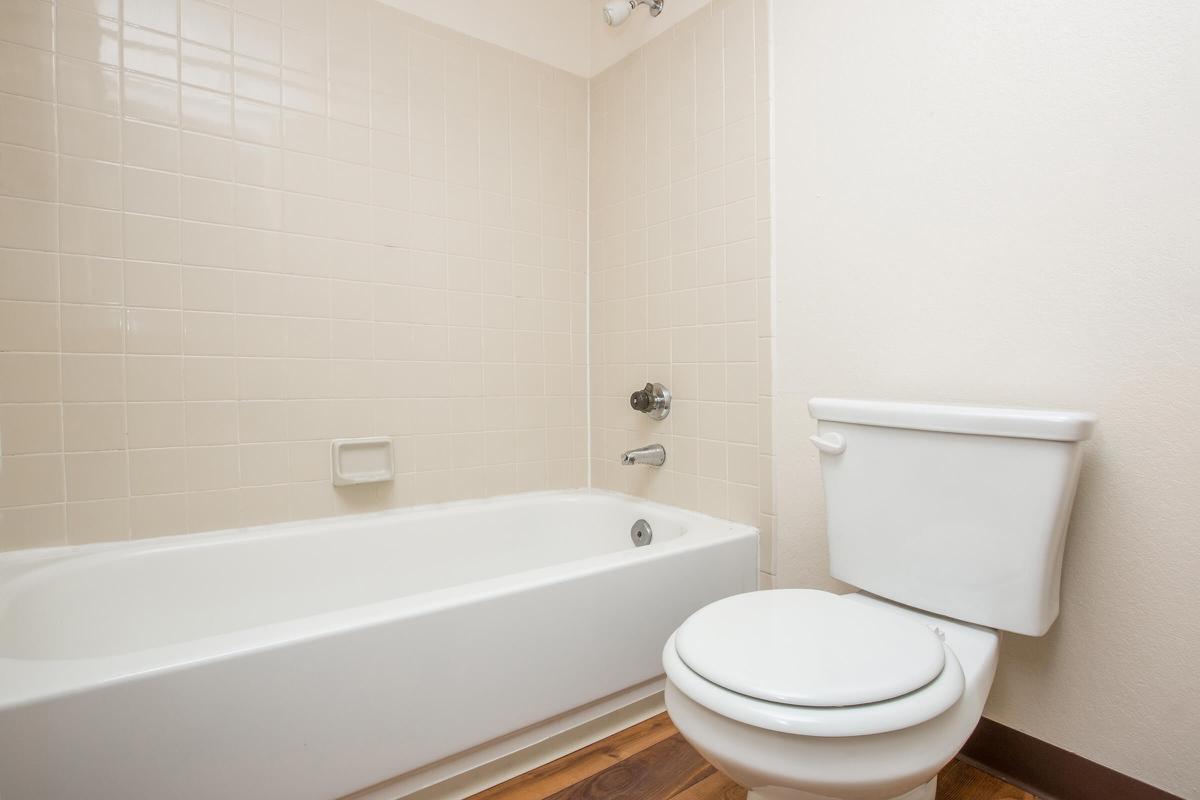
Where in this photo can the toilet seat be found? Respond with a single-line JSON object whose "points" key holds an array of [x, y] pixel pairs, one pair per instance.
{"points": [[804, 647], [740, 682]]}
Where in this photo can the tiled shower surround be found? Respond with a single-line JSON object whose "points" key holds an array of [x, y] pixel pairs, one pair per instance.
{"points": [[232, 231], [231, 234], [680, 265]]}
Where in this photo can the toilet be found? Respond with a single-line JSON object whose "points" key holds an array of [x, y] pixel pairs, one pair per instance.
{"points": [[950, 521]]}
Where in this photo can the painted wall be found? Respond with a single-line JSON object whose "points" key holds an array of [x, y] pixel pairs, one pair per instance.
{"points": [[555, 32], [680, 267], [1000, 203], [227, 237]]}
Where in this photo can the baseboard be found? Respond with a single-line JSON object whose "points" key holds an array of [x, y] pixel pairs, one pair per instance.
{"points": [[1048, 771]]}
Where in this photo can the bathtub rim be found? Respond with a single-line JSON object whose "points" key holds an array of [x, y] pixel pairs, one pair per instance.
{"points": [[18, 561], [27, 681]]}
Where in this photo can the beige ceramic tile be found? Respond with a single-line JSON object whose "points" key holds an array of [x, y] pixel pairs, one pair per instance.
{"points": [[90, 378], [156, 424], [91, 280], [93, 426], [674, 221], [26, 275], [92, 329], [151, 14], [255, 229], [28, 327], [157, 515], [30, 428], [27, 71], [32, 526], [83, 35], [161, 471], [97, 475], [29, 173], [152, 146], [98, 521], [28, 22], [28, 224], [30, 377]]}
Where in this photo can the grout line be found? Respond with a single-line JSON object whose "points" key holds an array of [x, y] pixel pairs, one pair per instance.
{"points": [[589, 427], [62, 411], [124, 308]]}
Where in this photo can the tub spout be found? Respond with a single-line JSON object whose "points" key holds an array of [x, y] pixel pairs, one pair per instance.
{"points": [[655, 455]]}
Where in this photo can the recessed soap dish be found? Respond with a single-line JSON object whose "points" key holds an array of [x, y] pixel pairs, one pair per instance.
{"points": [[366, 460]]}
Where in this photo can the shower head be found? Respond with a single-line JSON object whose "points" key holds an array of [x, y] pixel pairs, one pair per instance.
{"points": [[618, 11]]}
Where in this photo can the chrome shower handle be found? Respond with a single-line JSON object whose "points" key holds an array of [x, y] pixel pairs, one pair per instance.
{"points": [[654, 399]]}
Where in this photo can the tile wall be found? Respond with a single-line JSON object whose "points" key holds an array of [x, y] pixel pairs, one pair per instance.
{"points": [[681, 280], [230, 231]]}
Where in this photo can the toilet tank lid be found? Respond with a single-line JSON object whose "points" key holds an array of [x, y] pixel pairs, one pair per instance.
{"points": [[1023, 423]]}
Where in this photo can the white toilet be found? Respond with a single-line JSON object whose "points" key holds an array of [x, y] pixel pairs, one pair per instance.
{"points": [[954, 519]]}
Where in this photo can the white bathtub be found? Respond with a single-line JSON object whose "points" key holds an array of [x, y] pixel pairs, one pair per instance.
{"points": [[313, 660]]}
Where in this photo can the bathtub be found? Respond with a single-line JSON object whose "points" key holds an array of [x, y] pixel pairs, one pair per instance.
{"points": [[317, 659]]}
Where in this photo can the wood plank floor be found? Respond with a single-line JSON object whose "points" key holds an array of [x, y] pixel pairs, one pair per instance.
{"points": [[651, 761]]}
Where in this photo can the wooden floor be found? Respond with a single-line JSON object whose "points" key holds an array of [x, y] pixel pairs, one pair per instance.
{"points": [[651, 761]]}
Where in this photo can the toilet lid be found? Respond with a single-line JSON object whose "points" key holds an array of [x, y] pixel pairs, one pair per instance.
{"points": [[803, 647]]}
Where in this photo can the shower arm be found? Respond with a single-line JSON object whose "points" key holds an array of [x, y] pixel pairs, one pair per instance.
{"points": [[616, 12]]}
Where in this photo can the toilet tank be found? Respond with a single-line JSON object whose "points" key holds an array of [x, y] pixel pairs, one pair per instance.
{"points": [[958, 510]]}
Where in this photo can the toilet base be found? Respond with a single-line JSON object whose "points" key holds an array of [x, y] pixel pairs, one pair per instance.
{"points": [[925, 791]]}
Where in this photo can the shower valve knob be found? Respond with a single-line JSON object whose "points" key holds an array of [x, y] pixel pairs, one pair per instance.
{"points": [[654, 399]]}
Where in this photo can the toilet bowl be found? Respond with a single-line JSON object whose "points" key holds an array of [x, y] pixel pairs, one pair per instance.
{"points": [[953, 518], [886, 749]]}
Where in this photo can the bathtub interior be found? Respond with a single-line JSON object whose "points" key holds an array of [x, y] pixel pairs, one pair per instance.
{"points": [[109, 601]]}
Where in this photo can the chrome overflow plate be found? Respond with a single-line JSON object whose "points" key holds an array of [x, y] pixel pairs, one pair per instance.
{"points": [[640, 533]]}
